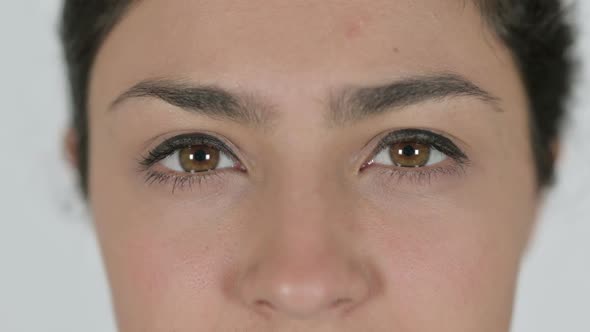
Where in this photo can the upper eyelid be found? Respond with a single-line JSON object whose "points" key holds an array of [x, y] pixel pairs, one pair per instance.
{"points": [[430, 136], [400, 135], [192, 139], [396, 136], [171, 145], [383, 140]]}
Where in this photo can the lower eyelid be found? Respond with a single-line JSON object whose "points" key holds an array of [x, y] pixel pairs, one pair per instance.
{"points": [[417, 176], [179, 182]]}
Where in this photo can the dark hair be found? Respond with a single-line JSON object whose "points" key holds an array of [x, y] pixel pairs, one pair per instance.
{"points": [[536, 32]]}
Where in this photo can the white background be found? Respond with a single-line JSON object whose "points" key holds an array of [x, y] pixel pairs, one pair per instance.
{"points": [[51, 278]]}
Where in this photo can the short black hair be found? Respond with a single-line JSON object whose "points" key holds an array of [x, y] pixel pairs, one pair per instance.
{"points": [[536, 32]]}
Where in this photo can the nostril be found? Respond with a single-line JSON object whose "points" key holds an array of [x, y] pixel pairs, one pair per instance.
{"points": [[263, 304], [264, 308], [343, 304], [303, 284]]}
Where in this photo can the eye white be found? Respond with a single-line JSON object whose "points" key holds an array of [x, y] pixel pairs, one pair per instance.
{"points": [[384, 158], [172, 162]]}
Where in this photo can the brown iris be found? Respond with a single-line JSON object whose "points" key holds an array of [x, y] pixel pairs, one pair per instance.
{"points": [[199, 158], [409, 154]]}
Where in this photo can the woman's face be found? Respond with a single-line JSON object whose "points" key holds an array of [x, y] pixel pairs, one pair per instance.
{"points": [[309, 166]]}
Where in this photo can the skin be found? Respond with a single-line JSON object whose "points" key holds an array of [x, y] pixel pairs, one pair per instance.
{"points": [[304, 240]]}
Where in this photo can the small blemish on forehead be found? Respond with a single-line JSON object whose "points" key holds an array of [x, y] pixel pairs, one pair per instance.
{"points": [[353, 30], [354, 27]]}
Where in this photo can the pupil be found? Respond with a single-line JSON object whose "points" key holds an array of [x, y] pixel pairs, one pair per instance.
{"points": [[409, 151], [200, 155]]}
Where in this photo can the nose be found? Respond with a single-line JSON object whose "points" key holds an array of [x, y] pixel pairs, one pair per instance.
{"points": [[306, 268], [301, 290]]}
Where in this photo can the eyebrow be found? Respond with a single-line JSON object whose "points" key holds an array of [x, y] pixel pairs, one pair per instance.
{"points": [[208, 100], [347, 106], [355, 104]]}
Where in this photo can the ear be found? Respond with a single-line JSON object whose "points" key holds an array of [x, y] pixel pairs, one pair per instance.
{"points": [[71, 147]]}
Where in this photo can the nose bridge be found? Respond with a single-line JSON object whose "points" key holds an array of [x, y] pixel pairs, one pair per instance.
{"points": [[306, 265], [308, 228], [309, 206], [307, 178], [308, 220]]}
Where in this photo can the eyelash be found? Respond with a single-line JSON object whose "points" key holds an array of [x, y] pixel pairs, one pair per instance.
{"points": [[188, 180], [421, 136], [422, 175], [413, 175]]}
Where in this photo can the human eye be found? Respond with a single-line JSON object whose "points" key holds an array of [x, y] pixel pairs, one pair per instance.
{"points": [[187, 159], [417, 153]]}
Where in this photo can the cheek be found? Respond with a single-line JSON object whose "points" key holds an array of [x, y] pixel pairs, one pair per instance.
{"points": [[162, 272], [451, 257], [165, 255]]}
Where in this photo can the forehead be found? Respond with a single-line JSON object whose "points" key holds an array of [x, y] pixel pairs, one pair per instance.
{"points": [[301, 46]]}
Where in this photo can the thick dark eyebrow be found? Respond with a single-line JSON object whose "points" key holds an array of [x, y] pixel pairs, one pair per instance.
{"points": [[208, 100], [349, 105], [355, 104]]}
